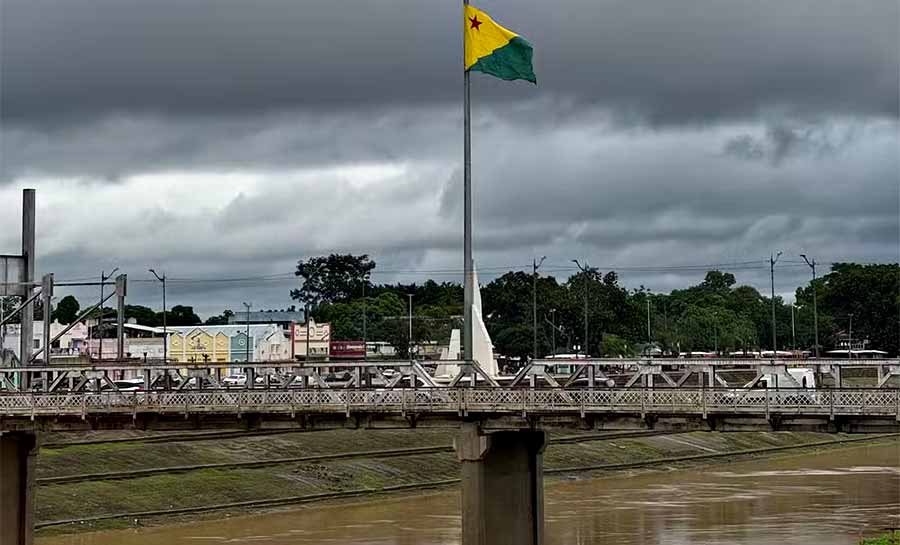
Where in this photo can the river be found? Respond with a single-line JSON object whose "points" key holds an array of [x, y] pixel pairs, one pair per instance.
{"points": [[830, 498]]}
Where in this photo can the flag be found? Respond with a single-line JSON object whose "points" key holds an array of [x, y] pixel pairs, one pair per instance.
{"points": [[494, 50]]}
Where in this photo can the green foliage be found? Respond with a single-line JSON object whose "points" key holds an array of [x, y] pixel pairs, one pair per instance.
{"points": [[66, 310], [221, 319], [182, 315], [332, 279], [887, 539], [716, 314]]}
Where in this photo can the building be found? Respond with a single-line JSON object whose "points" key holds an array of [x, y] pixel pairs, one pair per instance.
{"points": [[312, 336], [284, 318], [226, 343], [73, 343]]}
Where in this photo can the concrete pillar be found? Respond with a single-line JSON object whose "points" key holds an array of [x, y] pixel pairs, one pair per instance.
{"points": [[502, 486], [18, 452]]}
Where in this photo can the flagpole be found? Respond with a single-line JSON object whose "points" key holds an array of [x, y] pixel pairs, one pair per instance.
{"points": [[468, 287]]}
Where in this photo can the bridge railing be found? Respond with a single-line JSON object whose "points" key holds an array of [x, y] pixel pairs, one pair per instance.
{"points": [[851, 401]]}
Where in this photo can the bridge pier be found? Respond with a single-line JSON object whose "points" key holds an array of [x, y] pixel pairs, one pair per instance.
{"points": [[502, 486], [18, 452]]}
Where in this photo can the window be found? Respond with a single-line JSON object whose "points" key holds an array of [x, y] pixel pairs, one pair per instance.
{"points": [[37, 343]]}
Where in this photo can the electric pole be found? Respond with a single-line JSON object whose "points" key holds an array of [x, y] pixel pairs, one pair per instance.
{"points": [[773, 259], [103, 278], [247, 306], [535, 265], [165, 326], [587, 273], [812, 265]]}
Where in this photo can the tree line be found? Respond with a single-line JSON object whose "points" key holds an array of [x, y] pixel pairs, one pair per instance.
{"points": [[718, 314]]}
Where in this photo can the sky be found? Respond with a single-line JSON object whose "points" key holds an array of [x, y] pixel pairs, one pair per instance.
{"points": [[219, 141]]}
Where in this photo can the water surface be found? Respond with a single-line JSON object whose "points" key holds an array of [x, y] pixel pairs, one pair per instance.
{"points": [[831, 498]]}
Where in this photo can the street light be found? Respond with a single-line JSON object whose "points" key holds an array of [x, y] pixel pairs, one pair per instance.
{"points": [[553, 328], [812, 265], [103, 279], [410, 349], [165, 327], [247, 306], [773, 259], [535, 265], [587, 271]]}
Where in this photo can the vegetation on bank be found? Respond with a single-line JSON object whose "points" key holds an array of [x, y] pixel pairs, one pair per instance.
{"points": [[207, 487], [892, 538]]}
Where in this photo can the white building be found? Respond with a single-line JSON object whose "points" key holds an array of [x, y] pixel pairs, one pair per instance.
{"points": [[315, 336], [269, 342], [73, 343]]}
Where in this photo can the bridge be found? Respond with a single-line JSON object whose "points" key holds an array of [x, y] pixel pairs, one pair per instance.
{"points": [[500, 419]]}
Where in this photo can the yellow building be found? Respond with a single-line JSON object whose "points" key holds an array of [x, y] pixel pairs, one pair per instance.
{"points": [[198, 346]]}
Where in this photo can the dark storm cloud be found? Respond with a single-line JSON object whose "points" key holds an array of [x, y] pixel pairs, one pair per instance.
{"points": [[662, 62]]}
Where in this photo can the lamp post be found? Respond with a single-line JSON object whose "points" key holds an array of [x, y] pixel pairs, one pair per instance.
{"points": [[410, 349], [553, 328], [247, 306], [773, 259], [535, 265], [586, 270], [165, 327], [812, 265], [103, 279]]}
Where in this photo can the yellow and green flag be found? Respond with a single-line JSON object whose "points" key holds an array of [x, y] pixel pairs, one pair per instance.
{"points": [[494, 50]]}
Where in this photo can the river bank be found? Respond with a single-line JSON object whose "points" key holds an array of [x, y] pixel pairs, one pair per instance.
{"points": [[341, 464]]}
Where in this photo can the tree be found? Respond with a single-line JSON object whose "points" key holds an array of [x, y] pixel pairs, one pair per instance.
{"points": [[222, 319], [143, 315], [67, 310], [181, 316], [333, 279]]}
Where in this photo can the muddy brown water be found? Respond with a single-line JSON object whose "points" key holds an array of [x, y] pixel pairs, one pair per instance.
{"points": [[828, 498]]}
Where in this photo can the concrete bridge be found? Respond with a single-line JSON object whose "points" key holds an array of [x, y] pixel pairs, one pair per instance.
{"points": [[500, 438]]}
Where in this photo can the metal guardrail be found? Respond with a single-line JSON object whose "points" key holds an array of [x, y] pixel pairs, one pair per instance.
{"points": [[461, 401]]}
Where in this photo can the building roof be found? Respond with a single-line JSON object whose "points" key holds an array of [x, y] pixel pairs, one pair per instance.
{"points": [[266, 317]]}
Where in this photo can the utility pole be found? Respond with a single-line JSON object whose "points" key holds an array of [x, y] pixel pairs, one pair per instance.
{"points": [[850, 339], [247, 306], [165, 325], [649, 335], [365, 336], [793, 330], [812, 265], [535, 265], [410, 327], [773, 259], [553, 327], [586, 270], [103, 279]]}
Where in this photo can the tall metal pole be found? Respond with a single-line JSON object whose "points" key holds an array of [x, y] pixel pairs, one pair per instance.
{"points": [[306, 317], [553, 326], [121, 293], [165, 328], [649, 335], [773, 259], [468, 265], [535, 265], [26, 341], [850, 340], [410, 327], [793, 330], [585, 269], [365, 336], [103, 278], [247, 306], [812, 265], [165, 325]]}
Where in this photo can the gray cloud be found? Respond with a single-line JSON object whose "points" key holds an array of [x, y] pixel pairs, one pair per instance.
{"points": [[221, 138], [691, 62]]}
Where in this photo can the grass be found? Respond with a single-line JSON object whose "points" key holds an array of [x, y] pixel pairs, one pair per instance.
{"points": [[212, 486], [892, 538]]}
